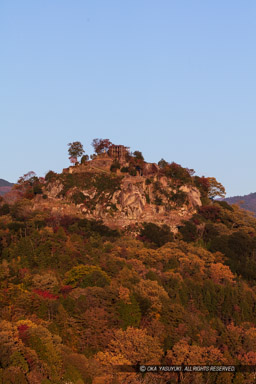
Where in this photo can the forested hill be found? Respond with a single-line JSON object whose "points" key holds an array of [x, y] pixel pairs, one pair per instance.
{"points": [[78, 298], [246, 202], [4, 183], [5, 186]]}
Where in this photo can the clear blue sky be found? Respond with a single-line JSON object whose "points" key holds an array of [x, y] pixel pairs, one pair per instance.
{"points": [[172, 78]]}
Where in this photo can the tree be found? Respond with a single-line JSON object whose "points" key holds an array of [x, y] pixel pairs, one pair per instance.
{"points": [[156, 234], [138, 155], [202, 183], [132, 346], [221, 273], [84, 159], [86, 275], [129, 313], [188, 231], [215, 188], [27, 178], [75, 150], [115, 166], [178, 173], [101, 145], [184, 353], [162, 163], [153, 293]]}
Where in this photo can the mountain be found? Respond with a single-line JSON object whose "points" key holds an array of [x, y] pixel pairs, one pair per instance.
{"points": [[247, 202], [117, 262], [5, 186], [143, 193]]}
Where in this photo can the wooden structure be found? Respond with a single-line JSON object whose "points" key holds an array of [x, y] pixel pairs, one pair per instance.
{"points": [[118, 151]]}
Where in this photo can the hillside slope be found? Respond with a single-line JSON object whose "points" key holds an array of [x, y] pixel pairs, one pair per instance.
{"points": [[5, 187], [82, 293], [247, 202]]}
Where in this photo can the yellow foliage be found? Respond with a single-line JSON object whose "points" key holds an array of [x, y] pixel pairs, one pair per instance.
{"points": [[136, 345], [183, 353], [27, 322], [220, 273], [111, 358], [124, 294], [152, 291]]}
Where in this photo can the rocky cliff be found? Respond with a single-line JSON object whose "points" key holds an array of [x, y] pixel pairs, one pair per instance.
{"points": [[120, 199]]}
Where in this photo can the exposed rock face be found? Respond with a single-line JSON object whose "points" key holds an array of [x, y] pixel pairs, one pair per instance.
{"points": [[150, 169], [137, 199], [130, 200], [54, 189], [194, 195], [135, 203]]}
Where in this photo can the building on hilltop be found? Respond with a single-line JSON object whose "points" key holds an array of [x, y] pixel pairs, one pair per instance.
{"points": [[118, 151]]}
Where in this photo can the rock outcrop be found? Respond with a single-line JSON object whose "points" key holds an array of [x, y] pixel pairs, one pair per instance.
{"points": [[135, 199]]}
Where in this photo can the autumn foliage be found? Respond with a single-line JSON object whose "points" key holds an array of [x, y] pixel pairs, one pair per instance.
{"points": [[78, 298]]}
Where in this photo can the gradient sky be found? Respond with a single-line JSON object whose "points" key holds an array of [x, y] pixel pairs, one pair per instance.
{"points": [[172, 78]]}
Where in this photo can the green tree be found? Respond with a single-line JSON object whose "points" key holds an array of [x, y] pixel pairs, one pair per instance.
{"points": [[75, 150], [162, 163], [138, 155], [156, 234], [84, 159], [129, 313], [87, 276]]}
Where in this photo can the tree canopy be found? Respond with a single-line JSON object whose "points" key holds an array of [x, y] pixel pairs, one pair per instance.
{"points": [[101, 145], [75, 150], [216, 189]]}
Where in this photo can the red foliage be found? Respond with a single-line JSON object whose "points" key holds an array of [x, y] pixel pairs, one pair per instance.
{"points": [[73, 159], [23, 332], [202, 183], [210, 212], [100, 145], [178, 173], [23, 272], [31, 362], [29, 194], [55, 230], [52, 221], [66, 289], [12, 196], [66, 221], [45, 294], [22, 328]]}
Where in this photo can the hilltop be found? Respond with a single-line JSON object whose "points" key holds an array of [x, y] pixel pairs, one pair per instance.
{"points": [[120, 196], [5, 186], [121, 189]]}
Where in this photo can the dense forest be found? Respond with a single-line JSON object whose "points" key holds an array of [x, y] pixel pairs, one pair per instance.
{"points": [[79, 299]]}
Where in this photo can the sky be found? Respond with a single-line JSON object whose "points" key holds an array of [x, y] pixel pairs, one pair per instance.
{"points": [[174, 79]]}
